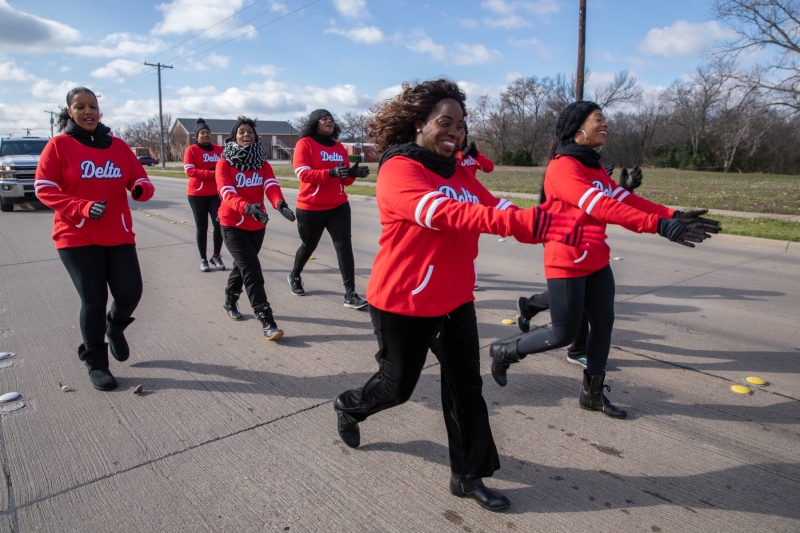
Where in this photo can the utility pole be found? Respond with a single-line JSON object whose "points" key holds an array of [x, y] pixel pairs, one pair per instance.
{"points": [[581, 50], [52, 121], [291, 148], [159, 66]]}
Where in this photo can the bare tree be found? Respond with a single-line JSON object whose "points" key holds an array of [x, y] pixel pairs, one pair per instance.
{"points": [[353, 126], [623, 90]]}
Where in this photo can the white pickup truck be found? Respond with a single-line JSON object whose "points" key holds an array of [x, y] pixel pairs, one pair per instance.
{"points": [[18, 160]]}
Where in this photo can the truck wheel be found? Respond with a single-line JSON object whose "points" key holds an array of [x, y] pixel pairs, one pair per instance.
{"points": [[5, 208]]}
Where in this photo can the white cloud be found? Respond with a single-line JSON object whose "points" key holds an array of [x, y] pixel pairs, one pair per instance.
{"points": [[365, 35], [188, 16], [65, 68], [264, 70], [208, 62], [389, 92], [461, 54], [120, 44], [117, 68], [54, 91], [475, 90], [9, 71], [351, 8], [21, 33], [513, 76], [534, 44], [508, 22], [683, 38], [468, 23]]}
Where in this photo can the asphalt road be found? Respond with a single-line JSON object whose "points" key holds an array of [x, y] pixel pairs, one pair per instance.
{"points": [[235, 433]]}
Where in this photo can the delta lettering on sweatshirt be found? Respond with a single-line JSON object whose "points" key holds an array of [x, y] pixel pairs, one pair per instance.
{"points": [[237, 188], [429, 238], [70, 177], [576, 189], [473, 164], [318, 190], [200, 166]]}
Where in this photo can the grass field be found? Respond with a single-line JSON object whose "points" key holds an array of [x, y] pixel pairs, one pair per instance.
{"points": [[755, 193]]}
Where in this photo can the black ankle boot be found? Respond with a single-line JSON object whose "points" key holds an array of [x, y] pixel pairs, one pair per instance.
{"points": [[503, 355], [347, 426], [96, 361], [116, 340], [487, 498], [271, 331], [593, 399], [230, 305]]}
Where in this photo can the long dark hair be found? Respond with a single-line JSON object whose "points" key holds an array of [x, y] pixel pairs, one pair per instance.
{"points": [[309, 128], [393, 120], [63, 116]]}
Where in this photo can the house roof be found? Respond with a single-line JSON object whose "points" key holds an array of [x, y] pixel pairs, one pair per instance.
{"points": [[224, 126]]}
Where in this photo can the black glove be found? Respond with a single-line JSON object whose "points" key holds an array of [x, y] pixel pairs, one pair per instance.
{"points": [[97, 210], [631, 181], [254, 210], [693, 220], [356, 172], [676, 231], [470, 150], [609, 170], [338, 172], [285, 211], [136, 192]]}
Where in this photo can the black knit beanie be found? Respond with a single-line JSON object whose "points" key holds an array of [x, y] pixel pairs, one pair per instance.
{"points": [[317, 114], [243, 120], [201, 125], [571, 118]]}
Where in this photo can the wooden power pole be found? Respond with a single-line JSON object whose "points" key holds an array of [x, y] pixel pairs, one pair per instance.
{"points": [[159, 66], [581, 51]]}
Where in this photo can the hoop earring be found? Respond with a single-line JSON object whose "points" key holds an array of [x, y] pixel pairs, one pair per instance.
{"points": [[584, 138], [419, 130], [600, 149]]}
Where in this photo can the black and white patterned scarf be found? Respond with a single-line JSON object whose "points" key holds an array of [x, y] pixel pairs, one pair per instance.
{"points": [[250, 157]]}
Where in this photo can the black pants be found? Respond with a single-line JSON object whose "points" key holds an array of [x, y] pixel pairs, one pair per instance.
{"points": [[244, 246], [541, 302], [203, 207], [403, 343], [570, 298], [96, 269], [311, 225]]}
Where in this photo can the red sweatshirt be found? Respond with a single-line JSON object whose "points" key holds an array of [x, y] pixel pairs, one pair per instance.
{"points": [[70, 177], [199, 165], [473, 164], [575, 188], [429, 240], [241, 187], [312, 160]]}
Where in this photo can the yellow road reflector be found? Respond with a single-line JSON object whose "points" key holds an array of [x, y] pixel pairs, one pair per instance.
{"points": [[171, 222], [508, 321], [740, 389], [755, 381], [183, 222], [149, 215], [311, 258]]}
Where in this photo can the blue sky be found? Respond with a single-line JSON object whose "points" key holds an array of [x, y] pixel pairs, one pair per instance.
{"points": [[279, 59]]}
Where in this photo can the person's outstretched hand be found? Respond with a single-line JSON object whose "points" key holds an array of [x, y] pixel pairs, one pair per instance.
{"points": [[470, 150], [136, 192], [676, 231], [254, 210], [358, 172], [693, 220], [97, 209], [632, 180], [285, 211], [338, 172]]}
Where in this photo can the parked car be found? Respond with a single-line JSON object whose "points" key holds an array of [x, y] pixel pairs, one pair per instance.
{"points": [[18, 160], [147, 161]]}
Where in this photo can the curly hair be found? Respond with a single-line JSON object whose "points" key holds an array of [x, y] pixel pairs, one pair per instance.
{"points": [[309, 127], [63, 115], [393, 120]]}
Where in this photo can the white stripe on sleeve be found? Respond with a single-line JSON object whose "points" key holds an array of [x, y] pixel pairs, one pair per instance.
{"points": [[421, 206], [39, 184], [300, 170], [593, 202], [141, 179], [623, 196], [617, 191], [585, 197], [432, 211], [187, 167]]}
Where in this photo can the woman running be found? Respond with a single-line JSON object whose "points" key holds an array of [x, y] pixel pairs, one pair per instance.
{"points": [[199, 162], [244, 177], [84, 175], [420, 291], [322, 166], [577, 281]]}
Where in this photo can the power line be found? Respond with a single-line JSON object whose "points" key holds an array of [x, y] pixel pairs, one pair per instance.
{"points": [[160, 67]]}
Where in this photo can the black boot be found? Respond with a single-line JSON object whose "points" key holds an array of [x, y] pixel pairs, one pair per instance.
{"points": [[593, 399], [347, 426], [116, 340], [96, 360], [230, 305], [271, 331], [487, 498], [503, 355]]}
